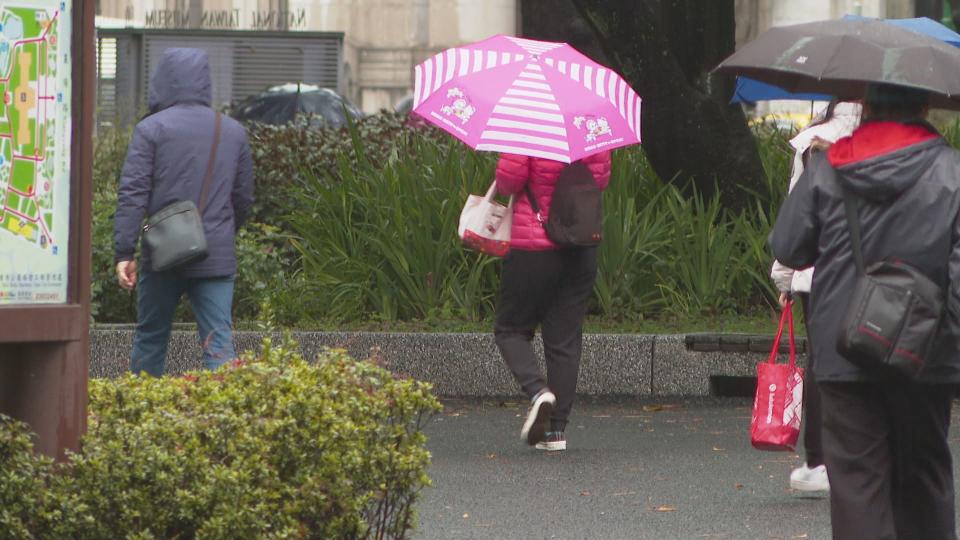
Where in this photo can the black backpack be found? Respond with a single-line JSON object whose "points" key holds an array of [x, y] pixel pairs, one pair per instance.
{"points": [[576, 211]]}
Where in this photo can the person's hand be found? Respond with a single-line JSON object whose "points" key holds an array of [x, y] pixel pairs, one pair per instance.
{"points": [[784, 296], [818, 144], [127, 274]]}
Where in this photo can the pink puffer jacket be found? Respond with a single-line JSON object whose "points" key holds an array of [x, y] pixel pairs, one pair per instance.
{"points": [[513, 174]]}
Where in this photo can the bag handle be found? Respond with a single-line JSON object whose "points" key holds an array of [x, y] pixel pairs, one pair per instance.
{"points": [[785, 317], [533, 203], [210, 162], [492, 190]]}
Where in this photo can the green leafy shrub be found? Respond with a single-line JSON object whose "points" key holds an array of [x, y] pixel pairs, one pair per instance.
{"points": [[285, 155], [265, 267], [358, 224], [27, 505], [273, 447], [378, 238], [634, 237]]}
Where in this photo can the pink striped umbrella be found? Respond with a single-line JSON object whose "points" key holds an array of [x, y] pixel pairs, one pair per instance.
{"points": [[535, 98]]}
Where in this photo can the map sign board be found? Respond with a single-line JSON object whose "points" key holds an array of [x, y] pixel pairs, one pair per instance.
{"points": [[35, 128]]}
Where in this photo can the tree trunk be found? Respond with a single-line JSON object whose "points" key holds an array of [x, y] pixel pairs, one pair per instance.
{"points": [[665, 49]]}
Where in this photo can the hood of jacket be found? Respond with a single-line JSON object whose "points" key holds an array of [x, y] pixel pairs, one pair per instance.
{"points": [[182, 76], [881, 160]]}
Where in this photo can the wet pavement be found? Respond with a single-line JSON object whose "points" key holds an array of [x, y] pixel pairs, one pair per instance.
{"points": [[657, 469]]}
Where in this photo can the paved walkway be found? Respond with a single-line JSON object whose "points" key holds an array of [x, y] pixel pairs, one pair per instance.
{"points": [[676, 469]]}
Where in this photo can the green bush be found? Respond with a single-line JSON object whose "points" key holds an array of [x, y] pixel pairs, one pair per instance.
{"points": [[265, 268], [284, 155], [273, 447], [27, 504], [378, 238], [358, 224]]}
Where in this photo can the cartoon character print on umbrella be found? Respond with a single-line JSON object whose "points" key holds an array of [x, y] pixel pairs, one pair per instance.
{"points": [[460, 107], [596, 126], [519, 96]]}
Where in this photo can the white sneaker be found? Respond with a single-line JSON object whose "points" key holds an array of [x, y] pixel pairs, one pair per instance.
{"points": [[538, 418], [807, 479]]}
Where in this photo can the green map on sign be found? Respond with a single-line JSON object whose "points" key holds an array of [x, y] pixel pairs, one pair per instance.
{"points": [[35, 152], [29, 113]]}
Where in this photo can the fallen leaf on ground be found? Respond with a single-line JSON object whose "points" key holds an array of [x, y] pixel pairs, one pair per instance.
{"points": [[739, 486], [584, 493], [491, 456], [659, 407], [665, 508]]}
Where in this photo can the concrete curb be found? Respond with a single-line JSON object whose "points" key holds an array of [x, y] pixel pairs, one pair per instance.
{"points": [[469, 365]]}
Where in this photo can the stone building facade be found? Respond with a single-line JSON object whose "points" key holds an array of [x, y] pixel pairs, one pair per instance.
{"points": [[383, 39]]}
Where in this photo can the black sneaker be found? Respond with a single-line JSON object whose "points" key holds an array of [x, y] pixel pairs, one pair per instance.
{"points": [[535, 427], [554, 442]]}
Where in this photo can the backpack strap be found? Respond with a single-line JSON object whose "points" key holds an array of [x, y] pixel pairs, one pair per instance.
{"points": [[533, 202]]}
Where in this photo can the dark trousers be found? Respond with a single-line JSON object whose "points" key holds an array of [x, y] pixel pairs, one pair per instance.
{"points": [[890, 468], [812, 440], [550, 289]]}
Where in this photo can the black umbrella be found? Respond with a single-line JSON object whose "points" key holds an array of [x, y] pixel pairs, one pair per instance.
{"points": [[840, 57], [281, 104]]}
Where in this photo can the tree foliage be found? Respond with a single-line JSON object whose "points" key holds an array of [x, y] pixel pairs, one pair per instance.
{"points": [[666, 50]]}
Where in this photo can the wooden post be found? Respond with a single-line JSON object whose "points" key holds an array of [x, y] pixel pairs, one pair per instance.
{"points": [[44, 346]]}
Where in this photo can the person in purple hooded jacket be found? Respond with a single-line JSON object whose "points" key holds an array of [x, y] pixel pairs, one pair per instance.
{"points": [[166, 162]]}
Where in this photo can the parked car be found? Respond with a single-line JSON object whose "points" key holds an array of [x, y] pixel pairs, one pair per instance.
{"points": [[281, 104]]}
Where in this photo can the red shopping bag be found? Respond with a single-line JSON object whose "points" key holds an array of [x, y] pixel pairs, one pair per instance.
{"points": [[775, 424]]}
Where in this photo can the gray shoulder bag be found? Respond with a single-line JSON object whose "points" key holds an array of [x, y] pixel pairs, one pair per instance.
{"points": [[894, 313], [174, 234]]}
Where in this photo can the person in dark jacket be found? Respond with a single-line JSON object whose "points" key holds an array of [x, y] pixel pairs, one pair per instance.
{"points": [[166, 162], [884, 437], [547, 285]]}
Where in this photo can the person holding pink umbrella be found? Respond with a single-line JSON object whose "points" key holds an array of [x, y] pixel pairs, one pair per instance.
{"points": [[542, 106], [547, 285]]}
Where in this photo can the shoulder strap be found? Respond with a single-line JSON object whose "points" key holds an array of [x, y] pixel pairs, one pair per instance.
{"points": [[213, 157], [532, 199], [853, 223]]}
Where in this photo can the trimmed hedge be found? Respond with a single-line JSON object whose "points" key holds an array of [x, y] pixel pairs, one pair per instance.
{"points": [[267, 447]]}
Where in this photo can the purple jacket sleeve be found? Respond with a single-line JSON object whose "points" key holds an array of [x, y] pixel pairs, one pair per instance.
{"points": [[242, 196], [136, 183]]}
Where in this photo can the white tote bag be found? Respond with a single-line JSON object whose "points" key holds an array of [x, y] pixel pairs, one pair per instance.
{"points": [[485, 224]]}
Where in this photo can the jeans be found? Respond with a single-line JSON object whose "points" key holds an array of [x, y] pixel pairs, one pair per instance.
{"points": [[158, 294]]}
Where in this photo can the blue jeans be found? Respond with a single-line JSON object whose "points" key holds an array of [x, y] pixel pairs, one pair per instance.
{"points": [[158, 294]]}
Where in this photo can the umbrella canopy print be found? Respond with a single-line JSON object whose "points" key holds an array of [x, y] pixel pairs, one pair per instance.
{"points": [[534, 98]]}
